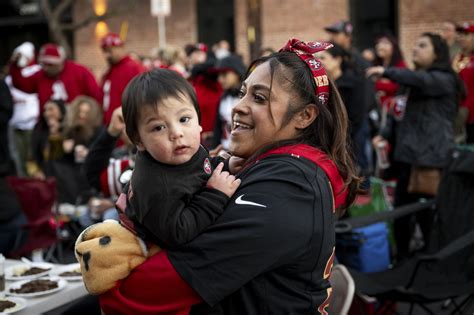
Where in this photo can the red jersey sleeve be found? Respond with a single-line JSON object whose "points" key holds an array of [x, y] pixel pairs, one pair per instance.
{"points": [[387, 86], [26, 84], [154, 287]]}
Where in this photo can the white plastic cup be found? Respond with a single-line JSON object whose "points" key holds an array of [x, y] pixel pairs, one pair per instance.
{"points": [[381, 149]]}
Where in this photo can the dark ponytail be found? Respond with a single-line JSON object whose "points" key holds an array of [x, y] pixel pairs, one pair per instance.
{"points": [[443, 62]]}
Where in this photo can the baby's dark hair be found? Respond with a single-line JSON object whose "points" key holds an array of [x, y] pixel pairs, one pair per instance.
{"points": [[150, 89]]}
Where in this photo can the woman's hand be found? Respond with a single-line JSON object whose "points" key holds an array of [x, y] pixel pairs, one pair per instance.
{"points": [[215, 152], [223, 181], [235, 164], [378, 139], [375, 72], [68, 145], [117, 124]]}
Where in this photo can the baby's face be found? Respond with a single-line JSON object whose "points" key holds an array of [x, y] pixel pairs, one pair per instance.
{"points": [[170, 131]]}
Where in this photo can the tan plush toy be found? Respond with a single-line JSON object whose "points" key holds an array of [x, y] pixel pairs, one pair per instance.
{"points": [[107, 252]]}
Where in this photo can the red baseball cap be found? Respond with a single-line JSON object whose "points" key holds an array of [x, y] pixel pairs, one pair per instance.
{"points": [[111, 40], [465, 28], [190, 48], [51, 54], [202, 47]]}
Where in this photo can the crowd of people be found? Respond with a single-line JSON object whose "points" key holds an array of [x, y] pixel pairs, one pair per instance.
{"points": [[58, 121]]}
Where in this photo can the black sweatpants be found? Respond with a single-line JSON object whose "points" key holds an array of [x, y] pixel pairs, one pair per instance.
{"points": [[404, 227]]}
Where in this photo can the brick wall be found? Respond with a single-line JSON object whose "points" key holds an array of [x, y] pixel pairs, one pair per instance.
{"points": [[303, 19], [416, 17], [142, 35], [280, 20], [240, 27]]}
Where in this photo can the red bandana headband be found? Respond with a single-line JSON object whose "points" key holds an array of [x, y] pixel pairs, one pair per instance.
{"points": [[305, 51]]}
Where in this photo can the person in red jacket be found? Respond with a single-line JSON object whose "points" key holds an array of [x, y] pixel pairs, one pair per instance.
{"points": [[58, 79], [122, 68], [464, 65]]}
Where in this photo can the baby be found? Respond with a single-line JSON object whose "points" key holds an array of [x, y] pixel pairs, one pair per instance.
{"points": [[175, 192]]}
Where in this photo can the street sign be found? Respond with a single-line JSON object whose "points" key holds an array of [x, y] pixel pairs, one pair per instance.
{"points": [[160, 7]]}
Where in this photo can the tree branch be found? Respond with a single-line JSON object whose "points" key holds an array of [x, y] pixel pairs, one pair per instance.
{"points": [[84, 22], [63, 5], [87, 20], [46, 9]]}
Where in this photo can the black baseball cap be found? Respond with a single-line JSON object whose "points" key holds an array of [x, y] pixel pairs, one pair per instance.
{"points": [[230, 63], [340, 27]]}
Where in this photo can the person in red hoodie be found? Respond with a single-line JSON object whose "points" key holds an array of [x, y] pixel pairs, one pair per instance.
{"points": [[122, 68], [208, 90], [464, 65], [58, 79], [272, 250]]}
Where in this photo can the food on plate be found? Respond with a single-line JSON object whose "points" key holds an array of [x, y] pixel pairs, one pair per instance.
{"points": [[22, 272], [6, 304], [35, 286], [71, 273]]}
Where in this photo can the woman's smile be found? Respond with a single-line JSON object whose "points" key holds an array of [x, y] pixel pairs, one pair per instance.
{"points": [[238, 127]]}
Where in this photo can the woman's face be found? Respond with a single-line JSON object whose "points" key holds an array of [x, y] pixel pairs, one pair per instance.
{"points": [[83, 111], [52, 112], [331, 64], [423, 53], [466, 41], [258, 118], [384, 48]]}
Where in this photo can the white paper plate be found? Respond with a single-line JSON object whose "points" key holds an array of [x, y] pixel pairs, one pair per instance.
{"points": [[72, 267], [11, 271], [16, 285], [20, 304]]}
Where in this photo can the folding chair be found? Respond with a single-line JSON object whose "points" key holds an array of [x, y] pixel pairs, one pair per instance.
{"points": [[37, 199], [342, 290]]}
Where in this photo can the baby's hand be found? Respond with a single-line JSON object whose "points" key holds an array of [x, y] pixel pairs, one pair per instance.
{"points": [[223, 181]]}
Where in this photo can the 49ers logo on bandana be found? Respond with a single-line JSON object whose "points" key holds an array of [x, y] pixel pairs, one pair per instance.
{"points": [[207, 166], [315, 44], [323, 97], [314, 64], [305, 52]]}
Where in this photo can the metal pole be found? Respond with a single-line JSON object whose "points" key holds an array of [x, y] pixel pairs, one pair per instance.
{"points": [[161, 32]]}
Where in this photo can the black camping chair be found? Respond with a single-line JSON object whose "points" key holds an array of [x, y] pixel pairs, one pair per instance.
{"points": [[446, 270]]}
